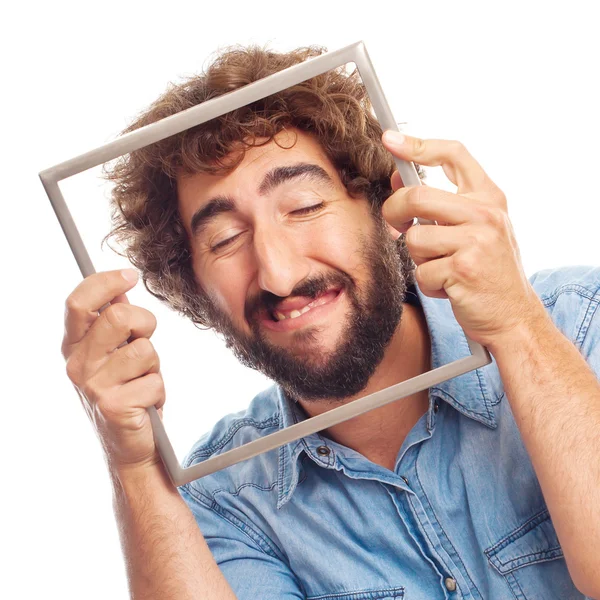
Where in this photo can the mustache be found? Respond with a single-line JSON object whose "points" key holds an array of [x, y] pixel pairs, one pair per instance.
{"points": [[309, 287]]}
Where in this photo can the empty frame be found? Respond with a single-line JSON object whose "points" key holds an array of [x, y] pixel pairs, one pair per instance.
{"points": [[355, 53]]}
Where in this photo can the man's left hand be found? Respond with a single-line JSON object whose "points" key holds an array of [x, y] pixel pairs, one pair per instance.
{"points": [[471, 257]]}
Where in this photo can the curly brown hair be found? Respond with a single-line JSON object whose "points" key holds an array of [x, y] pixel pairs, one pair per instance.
{"points": [[333, 107]]}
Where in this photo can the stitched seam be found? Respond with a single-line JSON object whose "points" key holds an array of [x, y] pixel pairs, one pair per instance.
{"points": [[485, 399], [542, 556], [241, 487], [361, 595], [587, 320], [281, 475], [207, 450], [530, 524], [259, 538], [498, 399], [568, 287], [221, 513], [470, 581], [512, 582], [475, 415]]}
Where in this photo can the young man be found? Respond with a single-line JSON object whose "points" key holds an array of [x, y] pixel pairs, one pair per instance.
{"points": [[284, 227]]}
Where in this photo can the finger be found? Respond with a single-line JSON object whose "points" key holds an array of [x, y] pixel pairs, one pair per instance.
{"points": [[396, 181], [458, 164], [433, 275], [431, 203], [117, 324], [124, 402], [431, 241], [144, 392], [128, 363], [89, 296]]}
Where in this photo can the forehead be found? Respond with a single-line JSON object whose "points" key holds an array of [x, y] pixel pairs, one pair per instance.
{"points": [[289, 146]]}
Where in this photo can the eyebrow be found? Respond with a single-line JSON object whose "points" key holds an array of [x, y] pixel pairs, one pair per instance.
{"points": [[275, 177]]}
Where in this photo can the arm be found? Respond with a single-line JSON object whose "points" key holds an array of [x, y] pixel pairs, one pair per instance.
{"points": [[166, 554], [472, 259], [555, 399]]}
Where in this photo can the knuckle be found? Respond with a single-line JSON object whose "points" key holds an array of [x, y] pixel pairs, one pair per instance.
{"points": [[73, 305], [420, 276], [73, 368], [117, 315], [413, 236], [416, 197], [500, 198], [151, 320], [493, 216], [476, 238], [418, 146], [91, 391], [140, 349], [465, 265], [457, 147], [155, 383]]}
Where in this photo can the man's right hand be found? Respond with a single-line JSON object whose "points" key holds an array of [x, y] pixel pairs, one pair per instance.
{"points": [[115, 385]]}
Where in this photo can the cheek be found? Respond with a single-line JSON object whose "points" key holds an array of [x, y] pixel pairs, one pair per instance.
{"points": [[227, 286], [341, 243]]}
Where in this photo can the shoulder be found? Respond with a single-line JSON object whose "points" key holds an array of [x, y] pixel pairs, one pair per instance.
{"points": [[571, 296], [579, 279], [261, 418]]}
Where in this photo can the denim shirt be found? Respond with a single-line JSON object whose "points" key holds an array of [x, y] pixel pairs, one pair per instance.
{"points": [[461, 516]]}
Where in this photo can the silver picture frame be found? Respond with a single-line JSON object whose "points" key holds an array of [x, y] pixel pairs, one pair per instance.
{"points": [[355, 53]]}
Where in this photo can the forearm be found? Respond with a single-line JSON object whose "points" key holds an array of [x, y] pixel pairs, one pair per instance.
{"points": [[555, 399], [165, 553]]}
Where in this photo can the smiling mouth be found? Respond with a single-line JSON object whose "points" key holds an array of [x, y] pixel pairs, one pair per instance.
{"points": [[282, 315]]}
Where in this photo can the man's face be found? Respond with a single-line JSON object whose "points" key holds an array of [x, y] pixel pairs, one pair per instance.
{"points": [[304, 281]]}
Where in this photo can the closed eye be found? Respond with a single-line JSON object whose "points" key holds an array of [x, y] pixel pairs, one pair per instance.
{"points": [[301, 211], [224, 243], [308, 209]]}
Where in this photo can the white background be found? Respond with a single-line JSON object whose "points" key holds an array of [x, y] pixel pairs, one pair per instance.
{"points": [[517, 83]]}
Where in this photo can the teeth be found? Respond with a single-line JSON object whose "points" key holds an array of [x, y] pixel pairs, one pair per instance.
{"points": [[296, 313]]}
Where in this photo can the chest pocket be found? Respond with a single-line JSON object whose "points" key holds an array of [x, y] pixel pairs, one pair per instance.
{"points": [[396, 593], [531, 561]]}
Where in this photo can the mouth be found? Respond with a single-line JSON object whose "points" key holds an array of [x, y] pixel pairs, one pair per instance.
{"points": [[300, 313]]}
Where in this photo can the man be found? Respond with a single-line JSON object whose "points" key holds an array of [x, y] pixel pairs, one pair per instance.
{"points": [[284, 227]]}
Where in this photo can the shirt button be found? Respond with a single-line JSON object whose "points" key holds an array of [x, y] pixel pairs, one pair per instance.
{"points": [[323, 450], [435, 407], [404, 479], [450, 584]]}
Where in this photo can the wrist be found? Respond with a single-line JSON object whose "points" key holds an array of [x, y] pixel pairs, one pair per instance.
{"points": [[133, 480], [523, 334]]}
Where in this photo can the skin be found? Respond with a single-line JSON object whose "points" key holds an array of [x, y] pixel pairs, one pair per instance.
{"points": [[275, 251]]}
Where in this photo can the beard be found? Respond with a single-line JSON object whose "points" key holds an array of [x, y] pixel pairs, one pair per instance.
{"points": [[305, 370]]}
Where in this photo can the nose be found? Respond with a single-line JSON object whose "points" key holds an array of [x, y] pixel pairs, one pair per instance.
{"points": [[280, 265]]}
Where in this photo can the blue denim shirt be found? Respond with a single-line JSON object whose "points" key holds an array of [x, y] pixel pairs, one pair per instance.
{"points": [[461, 516]]}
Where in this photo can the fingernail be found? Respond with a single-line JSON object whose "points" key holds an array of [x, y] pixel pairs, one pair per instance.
{"points": [[130, 275], [394, 137]]}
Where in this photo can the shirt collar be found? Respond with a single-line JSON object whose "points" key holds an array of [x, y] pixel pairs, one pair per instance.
{"points": [[473, 394]]}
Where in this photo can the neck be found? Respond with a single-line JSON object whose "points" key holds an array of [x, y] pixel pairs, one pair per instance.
{"points": [[379, 434]]}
